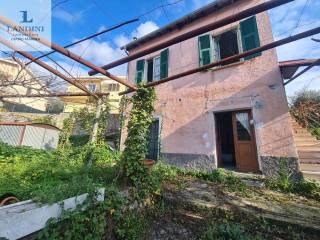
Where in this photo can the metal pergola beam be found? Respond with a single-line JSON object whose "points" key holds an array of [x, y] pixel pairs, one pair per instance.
{"points": [[209, 27], [65, 52], [61, 94], [235, 57], [315, 63], [89, 37], [45, 66]]}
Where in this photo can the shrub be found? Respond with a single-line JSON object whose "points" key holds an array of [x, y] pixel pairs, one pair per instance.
{"points": [[226, 232]]}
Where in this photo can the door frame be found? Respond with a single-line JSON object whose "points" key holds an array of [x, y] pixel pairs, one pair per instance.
{"points": [[217, 134]]}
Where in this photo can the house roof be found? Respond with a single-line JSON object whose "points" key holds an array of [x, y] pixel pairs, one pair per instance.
{"points": [[181, 22], [42, 125], [290, 67]]}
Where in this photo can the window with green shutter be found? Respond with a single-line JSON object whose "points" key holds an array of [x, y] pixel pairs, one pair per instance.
{"points": [[164, 63], [250, 36], [205, 49], [139, 71]]}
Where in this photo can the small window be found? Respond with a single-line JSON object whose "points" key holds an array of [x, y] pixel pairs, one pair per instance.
{"points": [[153, 69], [92, 87], [113, 87], [227, 45]]}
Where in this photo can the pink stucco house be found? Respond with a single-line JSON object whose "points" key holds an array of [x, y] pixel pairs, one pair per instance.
{"points": [[233, 116]]}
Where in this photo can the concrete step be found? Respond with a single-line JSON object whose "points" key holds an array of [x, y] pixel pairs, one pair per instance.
{"points": [[299, 134], [309, 161], [314, 148], [311, 175], [302, 133], [305, 138], [309, 154], [309, 143], [310, 167]]}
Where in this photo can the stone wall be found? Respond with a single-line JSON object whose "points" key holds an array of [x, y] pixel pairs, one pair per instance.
{"points": [[190, 161], [271, 166]]}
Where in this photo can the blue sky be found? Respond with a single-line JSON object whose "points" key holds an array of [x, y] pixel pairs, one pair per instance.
{"points": [[75, 19]]}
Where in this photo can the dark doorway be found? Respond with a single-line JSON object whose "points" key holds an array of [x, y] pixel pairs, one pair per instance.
{"points": [[153, 141], [225, 139]]}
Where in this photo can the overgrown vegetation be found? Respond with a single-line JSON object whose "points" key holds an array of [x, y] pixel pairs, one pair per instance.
{"points": [[45, 119], [305, 108], [133, 156], [284, 183], [128, 210], [49, 176]]}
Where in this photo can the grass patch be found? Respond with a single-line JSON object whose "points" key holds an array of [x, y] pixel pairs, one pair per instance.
{"points": [[49, 176]]}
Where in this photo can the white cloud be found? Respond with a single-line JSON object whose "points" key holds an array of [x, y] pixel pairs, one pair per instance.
{"points": [[121, 40], [65, 16], [144, 29]]}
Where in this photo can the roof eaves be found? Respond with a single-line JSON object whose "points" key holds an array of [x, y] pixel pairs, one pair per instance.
{"points": [[181, 22]]}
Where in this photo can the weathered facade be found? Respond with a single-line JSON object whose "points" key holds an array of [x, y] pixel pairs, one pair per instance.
{"points": [[233, 116]]}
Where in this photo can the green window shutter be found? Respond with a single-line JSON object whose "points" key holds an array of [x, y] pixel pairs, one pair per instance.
{"points": [[164, 63], [139, 71], [205, 49], [250, 36]]}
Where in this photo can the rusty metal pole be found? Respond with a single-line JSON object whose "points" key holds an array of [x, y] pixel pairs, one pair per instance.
{"points": [[45, 66], [209, 27], [302, 72], [234, 58], [89, 37], [65, 52], [59, 94]]}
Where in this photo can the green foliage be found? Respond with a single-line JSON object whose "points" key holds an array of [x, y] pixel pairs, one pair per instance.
{"points": [[316, 132], [49, 176], [305, 108], [131, 226], [136, 141], [79, 140], [219, 175], [284, 183], [90, 223], [67, 129], [45, 119], [55, 106], [86, 117], [226, 232], [304, 95]]}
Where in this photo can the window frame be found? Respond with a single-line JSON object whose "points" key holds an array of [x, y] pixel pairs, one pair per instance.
{"points": [[215, 44], [92, 84], [145, 79]]}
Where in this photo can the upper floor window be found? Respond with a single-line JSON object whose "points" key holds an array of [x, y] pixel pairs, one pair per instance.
{"points": [[153, 69], [92, 87], [113, 87], [229, 43]]}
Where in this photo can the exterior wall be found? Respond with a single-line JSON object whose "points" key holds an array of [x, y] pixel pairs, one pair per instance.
{"points": [[76, 103], [11, 69], [187, 105]]}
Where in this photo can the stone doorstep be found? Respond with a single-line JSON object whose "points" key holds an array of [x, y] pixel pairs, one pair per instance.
{"points": [[196, 195]]}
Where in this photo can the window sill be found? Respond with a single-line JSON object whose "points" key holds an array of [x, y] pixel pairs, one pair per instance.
{"points": [[226, 66]]}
